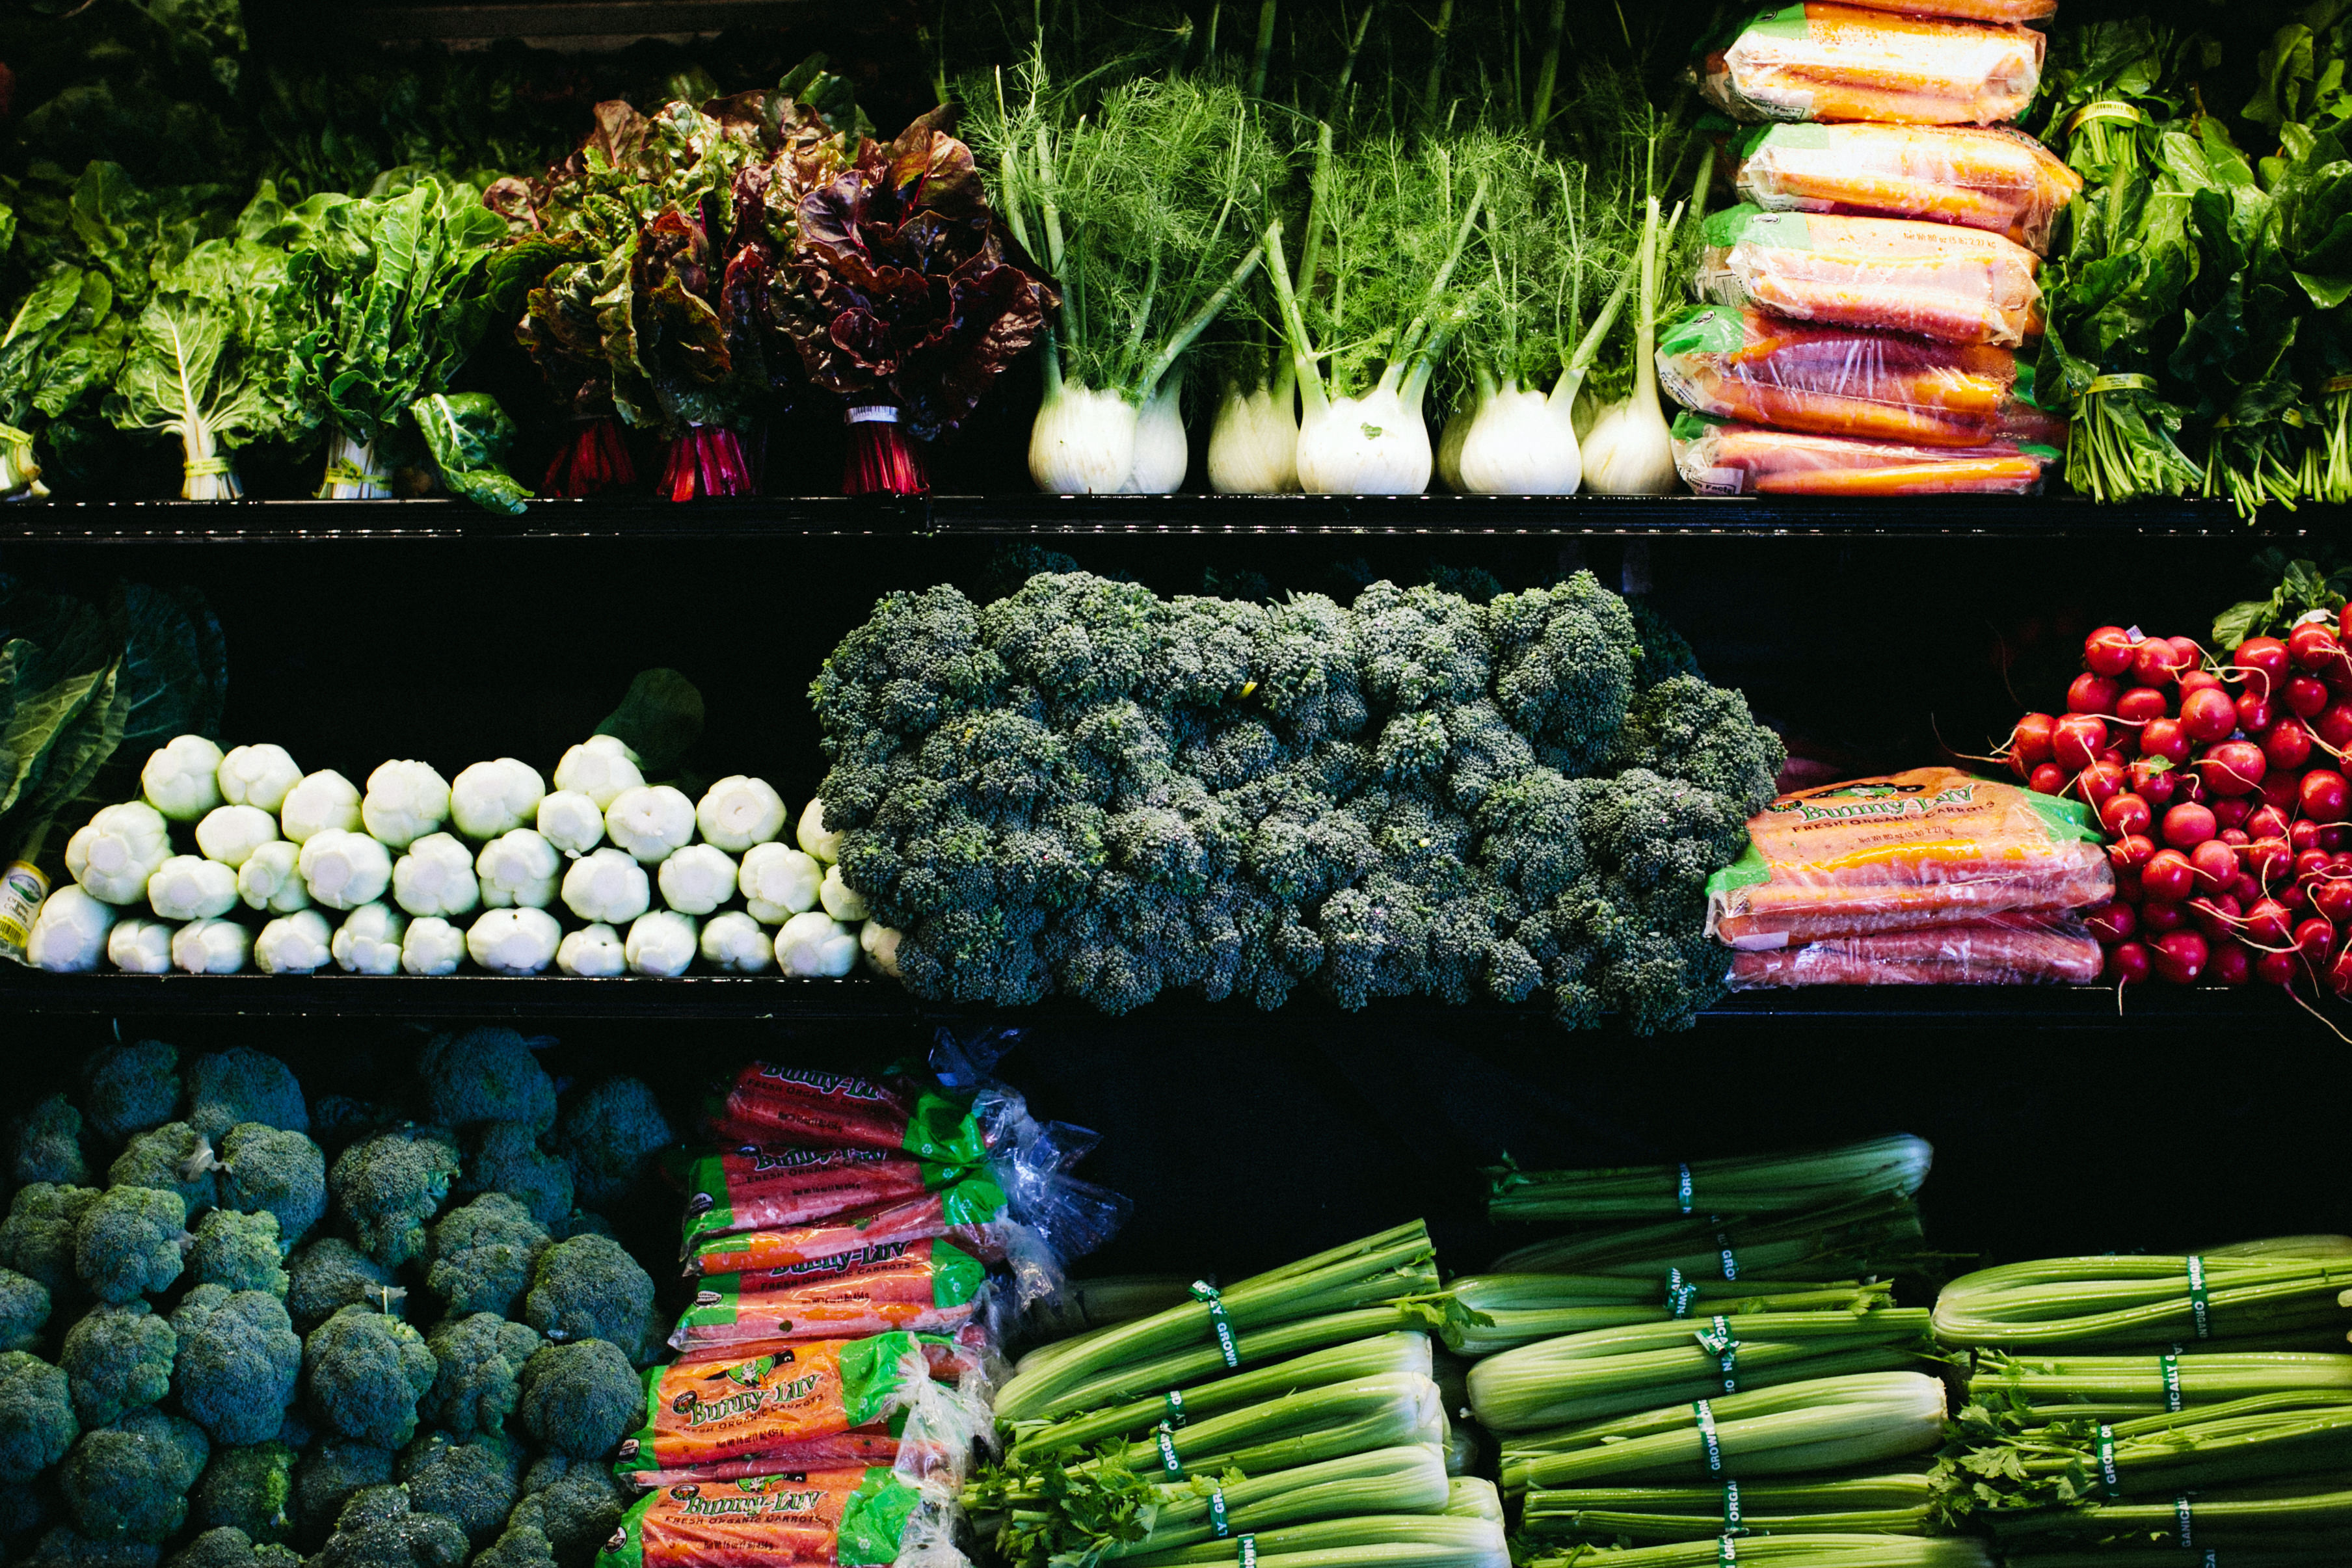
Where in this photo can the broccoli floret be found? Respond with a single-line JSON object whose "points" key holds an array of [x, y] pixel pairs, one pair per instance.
{"points": [[915, 663], [483, 1255], [364, 1374], [240, 1085], [610, 1132], [574, 1505], [470, 1480], [25, 1512], [24, 1311], [131, 1242], [36, 1239], [330, 1274], [37, 1417], [48, 1145], [1684, 728], [1564, 668], [1646, 831], [1530, 832], [250, 1490], [505, 1157], [589, 1288], [130, 1481], [1419, 647], [329, 1476], [1080, 638], [388, 1186], [1310, 683], [380, 1528], [173, 1158], [480, 1361], [118, 1359], [63, 1548], [522, 1544], [226, 1546], [240, 1357], [265, 1168], [580, 1398], [238, 1251], [128, 1087], [486, 1074]]}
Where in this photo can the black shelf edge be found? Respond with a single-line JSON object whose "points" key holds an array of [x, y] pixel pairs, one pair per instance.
{"points": [[320, 523]]}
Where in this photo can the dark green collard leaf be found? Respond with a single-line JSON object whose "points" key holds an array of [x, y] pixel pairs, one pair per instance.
{"points": [[37, 719], [468, 434], [659, 719]]}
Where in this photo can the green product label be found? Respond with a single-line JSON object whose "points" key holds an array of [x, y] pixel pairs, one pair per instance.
{"points": [[1707, 330], [2065, 818], [1785, 231], [708, 1210], [1803, 138], [943, 1131], [626, 1549], [975, 1200], [874, 1522], [956, 1275], [1723, 229], [873, 1375], [1691, 425], [1748, 870], [2046, 452]]}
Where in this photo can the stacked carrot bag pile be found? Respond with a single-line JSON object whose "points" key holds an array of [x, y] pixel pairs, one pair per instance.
{"points": [[856, 1246], [1930, 877], [1871, 290]]}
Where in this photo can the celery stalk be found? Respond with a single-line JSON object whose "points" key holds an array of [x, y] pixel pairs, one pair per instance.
{"points": [[1748, 1185], [1871, 1236], [1520, 1308], [2122, 1302], [1790, 1550], [1894, 1503]]}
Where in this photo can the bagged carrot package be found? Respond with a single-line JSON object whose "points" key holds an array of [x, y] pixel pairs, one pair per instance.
{"points": [[1717, 457], [803, 1108], [1939, 280], [1931, 846], [856, 1517], [1744, 365], [1838, 62], [1980, 177], [1998, 950], [762, 1186], [929, 1284]]}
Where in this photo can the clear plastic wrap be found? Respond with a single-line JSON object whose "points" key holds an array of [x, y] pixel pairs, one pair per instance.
{"points": [[2004, 950], [970, 1210], [1718, 458], [1747, 366], [811, 1518], [800, 1107], [1898, 275], [1932, 846], [931, 1285], [1967, 10], [1979, 177], [764, 1186], [1818, 61]]}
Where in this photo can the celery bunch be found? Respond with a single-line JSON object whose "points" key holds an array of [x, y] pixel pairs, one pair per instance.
{"points": [[1897, 1502]]}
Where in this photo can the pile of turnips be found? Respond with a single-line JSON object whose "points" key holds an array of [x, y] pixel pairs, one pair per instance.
{"points": [[2221, 783], [243, 858]]}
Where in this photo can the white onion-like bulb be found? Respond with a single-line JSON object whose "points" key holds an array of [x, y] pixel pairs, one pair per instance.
{"points": [[1369, 445], [514, 941], [571, 821], [404, 801], [1161, 453], [735, 942], [779, 881], [599, 767], [607, 887], [182, 778], [230, 834], [1521, 442], [342, 870], [271, 879], [841, 900], [68, 934], [816, 945], [652, 821], [592, 952], [813, 835], [1083, 442], [212, 947], [662, 943], [325, 802], [698, 879], [1253, 444], [736, 813], [257, 775], [518, 867], [369, 941], [493, 798], [436, 877], [294, 943], [189, 887], [432, 946], [140, 946]]}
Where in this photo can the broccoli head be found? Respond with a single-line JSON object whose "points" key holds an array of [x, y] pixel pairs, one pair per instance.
{"points": [[570, 1507], [118, 1359], [479, 1359], [265, 1169], [130, 1481], [240, 1252], [65, 1547], [389, 1187], [1684, 728], [36, 1239], [1419, 647], [364, 1374], [240, 1085], [1530, 832], [330, 1274], [1564, 668], [1664, 651], [24, 1311], [915, 663], [130, 1086], [37, 1417], [483, 1255], [588, 1287], [380, 1528], [580, 1398], [226, 1546], [610, 1132], [131, 1242], [239, 1358], [522, 1544], [1083, 639], [327, 1475], [486, 1074], [48, 1145], [505, 1157], [470, 1480], [1644, 831], [173, 1158], [250, 1490]]}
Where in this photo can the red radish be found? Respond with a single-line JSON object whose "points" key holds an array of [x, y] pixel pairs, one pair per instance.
{"points": [[2314, 938], [2108, 651], [2233, 767], [2344, 623], [2276, 968], [2156, 917], [2166, 877], [2217, 918], [2047, 779], [2131, 852], [2188, 786], [2310, 862], [2093, 694], [2313, 646], [2281, 789], [2207, 715], [2195, 681], [2334, 836], [2256, 714], [2030, 738], [2159, 789], [2340, 973], [2156, 662], [2164, 738], [2079, 738], [2288, 744], [2215, 864], [2236, 838], [2269, 859], [2123, 745], [2246, 889], [2189, 649], [2331, 896], [2111, 923], [2303, 837], [2125, 815], [2266, 821], [2231, 812], [2264, 660], [2102, 782], [2188, 825], [2232, 965], [2181, 957], [2268, 923], [2334, 726], [2140, 704], [2322, 795], [2127, 963], [2305, 695]]}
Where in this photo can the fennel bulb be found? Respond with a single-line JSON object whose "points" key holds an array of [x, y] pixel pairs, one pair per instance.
{"points": [[139, 947], [1253, 444], [433, 946], [1628, 452], [230, 834], [1450, 437], [294, 943], [69, 933], [257, 775], [1083, 442], [190, 887], [1521, 442], [735, 943], [1369, 445], [662, 943], [592, 952], [182, 779], [369, 940], [271, 880], [1161, 453], [520, 941], [211, 947]]}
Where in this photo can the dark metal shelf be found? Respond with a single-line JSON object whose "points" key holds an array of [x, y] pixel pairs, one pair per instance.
{"points": [[1986, 517]]}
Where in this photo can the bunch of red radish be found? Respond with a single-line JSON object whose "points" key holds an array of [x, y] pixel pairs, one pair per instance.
{"points": [[2222, 791]]}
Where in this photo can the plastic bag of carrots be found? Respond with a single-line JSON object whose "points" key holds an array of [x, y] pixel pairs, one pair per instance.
{"points": [[2002, 950], [1897, 275], [795, 1519], [1716, 458], [1748, 366], [1832, 62], [1933, 846], [932, 1284], [1979, 177]]}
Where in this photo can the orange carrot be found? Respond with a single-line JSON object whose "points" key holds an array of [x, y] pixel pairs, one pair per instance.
{"points": [[1943, 477], [1970, 10], [1860, 62]]}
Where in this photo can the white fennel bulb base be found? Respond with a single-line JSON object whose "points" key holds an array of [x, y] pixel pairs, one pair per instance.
{"points": [[1520, 443], [1161, 453], [1083, 442], [1628, 452], [1370, 445], [1450, 439], [352, 474], [1253, 446]]}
